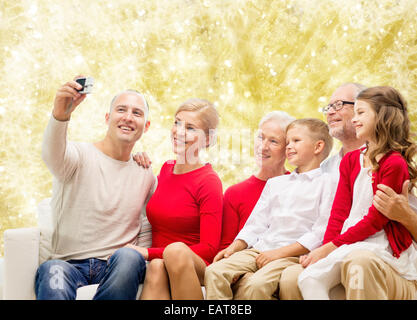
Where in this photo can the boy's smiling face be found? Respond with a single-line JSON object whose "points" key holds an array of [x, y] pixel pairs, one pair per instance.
{"points": [[300, 146]]}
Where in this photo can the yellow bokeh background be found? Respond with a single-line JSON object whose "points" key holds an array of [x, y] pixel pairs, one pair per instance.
{"points": [[247, 56]]}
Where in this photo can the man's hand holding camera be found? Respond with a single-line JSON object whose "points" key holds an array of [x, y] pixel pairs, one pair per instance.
{"points": [[67, 99]]}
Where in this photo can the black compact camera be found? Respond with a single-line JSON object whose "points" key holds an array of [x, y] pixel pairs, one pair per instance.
{"points": [[87, 84]]}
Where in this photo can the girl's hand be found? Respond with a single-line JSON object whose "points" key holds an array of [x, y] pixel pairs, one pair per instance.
{"points": [[142, 159], [317, 254], [302, 259]]}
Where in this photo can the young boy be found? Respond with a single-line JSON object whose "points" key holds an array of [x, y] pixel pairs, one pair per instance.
{"points": [[289, 220]]}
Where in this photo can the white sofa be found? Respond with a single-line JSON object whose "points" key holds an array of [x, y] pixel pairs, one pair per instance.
{"points": [[21, 260], [26, 248], [1, 278]]}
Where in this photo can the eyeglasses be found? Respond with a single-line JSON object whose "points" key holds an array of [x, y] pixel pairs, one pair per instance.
{"points": [[336, 106]]}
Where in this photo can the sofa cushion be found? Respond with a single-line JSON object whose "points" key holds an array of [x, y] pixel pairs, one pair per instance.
{"points": [[45, 226], [1, 278], [88, 292]]}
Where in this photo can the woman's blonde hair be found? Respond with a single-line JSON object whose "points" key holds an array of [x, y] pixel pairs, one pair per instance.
{"points": [[207, 114], [392, 126]]}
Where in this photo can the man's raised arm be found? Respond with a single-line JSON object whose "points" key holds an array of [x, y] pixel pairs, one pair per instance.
{"points": [[60, 159]]}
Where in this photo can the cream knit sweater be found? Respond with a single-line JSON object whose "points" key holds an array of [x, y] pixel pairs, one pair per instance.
{"points": [[96, 200]]}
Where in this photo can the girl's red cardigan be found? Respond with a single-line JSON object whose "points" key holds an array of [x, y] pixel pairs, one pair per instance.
{"points": [[393, 171]]}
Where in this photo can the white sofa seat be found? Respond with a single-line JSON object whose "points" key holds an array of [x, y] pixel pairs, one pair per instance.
{"points": [[21, 260], [26, 248], [88, 292], [1, 278]]}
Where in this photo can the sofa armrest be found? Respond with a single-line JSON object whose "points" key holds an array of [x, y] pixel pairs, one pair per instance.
{"points": [[1, 278], [21, 260]]}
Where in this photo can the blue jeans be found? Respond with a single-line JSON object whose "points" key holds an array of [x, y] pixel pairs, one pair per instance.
{"points": [[118, 278]]}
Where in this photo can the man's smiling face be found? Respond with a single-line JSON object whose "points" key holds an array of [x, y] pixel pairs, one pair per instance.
{"points": [[127, 119]]}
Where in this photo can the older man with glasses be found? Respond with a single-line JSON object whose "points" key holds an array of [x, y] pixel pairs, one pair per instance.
{"points": [[339, 114], [364, 275]]}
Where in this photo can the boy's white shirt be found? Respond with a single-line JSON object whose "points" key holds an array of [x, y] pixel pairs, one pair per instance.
{"points": [[292, 208]]}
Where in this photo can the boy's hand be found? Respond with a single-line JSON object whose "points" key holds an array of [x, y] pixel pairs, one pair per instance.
{"points": [[317, 254], [67, 99], [267, 256], [222, 254], [235, 246]]}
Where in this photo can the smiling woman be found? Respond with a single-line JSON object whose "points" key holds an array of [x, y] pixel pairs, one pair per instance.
{"points": [[186, 224], [241, 198], [194, 129]]}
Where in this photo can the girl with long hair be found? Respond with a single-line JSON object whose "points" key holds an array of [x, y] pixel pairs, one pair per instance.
{"points": [[381, 119]]}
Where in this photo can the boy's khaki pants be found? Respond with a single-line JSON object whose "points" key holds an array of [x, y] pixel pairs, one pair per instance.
{"points": [[255, 284]]}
